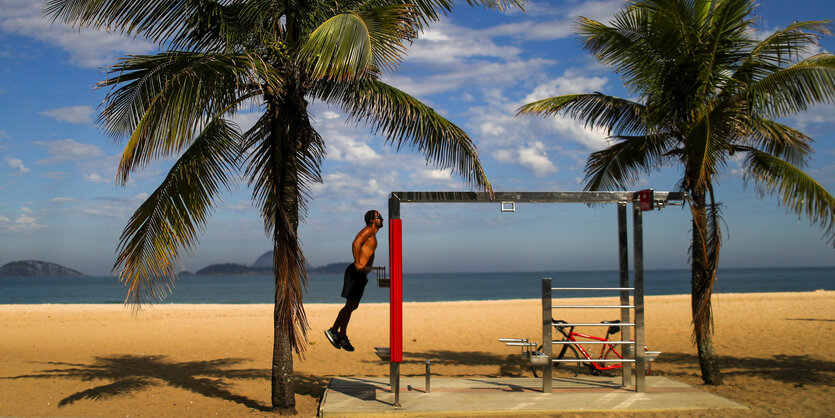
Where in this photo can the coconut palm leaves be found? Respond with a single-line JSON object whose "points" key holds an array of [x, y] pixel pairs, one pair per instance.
{"points": [[175, 214], [706, 90]]}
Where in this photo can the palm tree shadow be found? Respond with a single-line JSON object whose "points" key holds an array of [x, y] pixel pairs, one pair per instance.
{"points": [[792, 369], [130, 374]]}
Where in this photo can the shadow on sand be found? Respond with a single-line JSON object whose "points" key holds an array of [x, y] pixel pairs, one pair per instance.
{"points": [[510, 365], [129, 374], [797, 370]]}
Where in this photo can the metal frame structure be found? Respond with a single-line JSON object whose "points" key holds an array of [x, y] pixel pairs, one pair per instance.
{"points": [[641, 200]]}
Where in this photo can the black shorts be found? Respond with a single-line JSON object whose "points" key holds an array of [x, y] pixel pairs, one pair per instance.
{"points": [[354, 285]]}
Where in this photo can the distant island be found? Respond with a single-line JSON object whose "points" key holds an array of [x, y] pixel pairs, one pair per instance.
{"points": [[262, 265], [36, 268], [229, 269]]}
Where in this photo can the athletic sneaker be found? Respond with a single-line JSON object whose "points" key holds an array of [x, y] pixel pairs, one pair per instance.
{"points": [[345, 344], [333, 338]]}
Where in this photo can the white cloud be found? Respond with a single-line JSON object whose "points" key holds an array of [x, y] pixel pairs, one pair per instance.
{"points": [[445, 43], [23, 223], [342, 185], [591, 139], [94, 178], [471, 73], [62, 199], [570, 82], [496, 127], [245, 121], [87, 48], [432, 177], [448, 57], [17, 165], [533, 157], [344, 142], [330, 115], [563, 26], [72, 114], [111, 207], [68, 150], [820, 114]]}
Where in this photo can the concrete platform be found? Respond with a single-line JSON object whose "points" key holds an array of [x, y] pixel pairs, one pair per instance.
{"points": [[370, 396]]}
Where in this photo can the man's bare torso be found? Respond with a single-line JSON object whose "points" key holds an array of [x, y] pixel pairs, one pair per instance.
{"points": [[367, 241]]}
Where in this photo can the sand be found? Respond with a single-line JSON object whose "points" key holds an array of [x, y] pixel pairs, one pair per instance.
{"points": [[776, 353]]}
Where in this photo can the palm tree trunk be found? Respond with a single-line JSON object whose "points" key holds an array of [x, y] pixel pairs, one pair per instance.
{"points": [[283, 393], [286, 205], [701, 287]]}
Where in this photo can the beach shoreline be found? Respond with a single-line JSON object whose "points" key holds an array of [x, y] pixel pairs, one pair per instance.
{"points": [[214, 359]]}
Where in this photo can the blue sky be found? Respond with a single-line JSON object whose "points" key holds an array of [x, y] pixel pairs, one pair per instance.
{"points": [[60, 202]]}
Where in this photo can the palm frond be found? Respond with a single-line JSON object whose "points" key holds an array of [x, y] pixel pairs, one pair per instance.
{"points": [[703, 146], [786, 45], [227, 27], [703, 316], [162, 100], [780, 140], [171, 218], [618, 166], [157, 20], [349, 45], [596, 110], [797, 190], [404, 120], [794, 89], [285, 155]]}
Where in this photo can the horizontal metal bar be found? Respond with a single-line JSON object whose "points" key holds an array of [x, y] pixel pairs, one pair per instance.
{"points": [[666, 198], [521, 344], [591, 342], [596, 324], [585, 360], [592, 306], [592, 288], [516, 340]]}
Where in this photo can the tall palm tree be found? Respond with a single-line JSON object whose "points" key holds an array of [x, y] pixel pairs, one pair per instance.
{"points": [[222, 56], [707, 92]]}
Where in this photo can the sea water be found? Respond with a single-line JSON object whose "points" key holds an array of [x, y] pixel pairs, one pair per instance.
{"points": [[427, 287]]}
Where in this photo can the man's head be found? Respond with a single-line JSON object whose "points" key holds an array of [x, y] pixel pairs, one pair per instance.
{"points": [[372, 216]]}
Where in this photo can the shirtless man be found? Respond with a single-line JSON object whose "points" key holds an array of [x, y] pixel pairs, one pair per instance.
{"points": [[356, 277]]}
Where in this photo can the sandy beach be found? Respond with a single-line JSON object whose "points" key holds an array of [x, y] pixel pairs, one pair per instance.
{"points": [[206, 360]]}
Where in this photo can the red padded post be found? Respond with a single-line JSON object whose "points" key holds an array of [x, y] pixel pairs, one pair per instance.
{"points": [[396, 290]]}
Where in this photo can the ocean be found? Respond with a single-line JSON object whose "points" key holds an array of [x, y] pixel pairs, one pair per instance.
{"points": [[427, 287]]}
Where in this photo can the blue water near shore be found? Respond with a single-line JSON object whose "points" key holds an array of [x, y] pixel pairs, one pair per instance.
{"points": [[325, 288]]}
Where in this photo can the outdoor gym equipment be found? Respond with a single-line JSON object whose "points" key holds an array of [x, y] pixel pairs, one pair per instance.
{"points": [[641, 201]]}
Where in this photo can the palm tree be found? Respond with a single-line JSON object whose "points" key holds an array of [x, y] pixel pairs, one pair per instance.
{"points": [[707, 92], [222, 56]]}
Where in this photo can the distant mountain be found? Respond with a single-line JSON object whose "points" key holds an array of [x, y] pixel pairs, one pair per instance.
{"points": [[265, 261], [35, 268], [330, 268], [229, 269]]}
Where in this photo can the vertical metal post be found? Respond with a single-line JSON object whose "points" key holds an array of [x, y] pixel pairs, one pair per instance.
{"points": [[395, 296], [623, 257], [427, 377], [638, 244], [546, 333]]}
